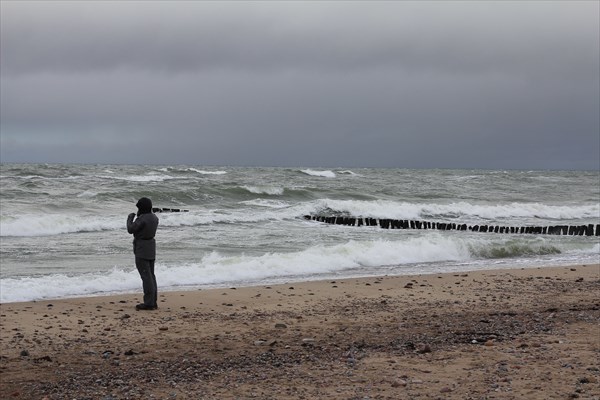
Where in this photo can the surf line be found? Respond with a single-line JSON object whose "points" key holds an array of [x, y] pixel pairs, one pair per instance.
{"points": [[385, 223]]}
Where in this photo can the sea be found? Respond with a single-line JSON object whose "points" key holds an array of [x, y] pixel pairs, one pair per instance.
{"points": [[63, 233]]}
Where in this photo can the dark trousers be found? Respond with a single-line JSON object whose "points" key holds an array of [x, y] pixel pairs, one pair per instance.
{"points": [[146, 270]]}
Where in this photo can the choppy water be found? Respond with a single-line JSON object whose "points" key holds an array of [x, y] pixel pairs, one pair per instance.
{"points": [[62, 227]]}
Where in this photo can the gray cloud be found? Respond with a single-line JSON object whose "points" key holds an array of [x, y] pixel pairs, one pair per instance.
{"points": [[192, 36], [400, 84]]}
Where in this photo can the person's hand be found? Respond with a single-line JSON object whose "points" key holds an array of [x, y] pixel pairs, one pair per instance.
{"points": [[132, 215]]}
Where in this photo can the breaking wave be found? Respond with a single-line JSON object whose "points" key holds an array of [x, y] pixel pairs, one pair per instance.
{"points": [[323, 174]]}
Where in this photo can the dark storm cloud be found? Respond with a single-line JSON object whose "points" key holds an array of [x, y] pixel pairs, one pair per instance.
{"points": [[425, 84]]}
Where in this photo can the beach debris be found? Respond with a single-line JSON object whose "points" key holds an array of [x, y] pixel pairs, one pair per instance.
{"points": [[399, 383], [425, 348]]}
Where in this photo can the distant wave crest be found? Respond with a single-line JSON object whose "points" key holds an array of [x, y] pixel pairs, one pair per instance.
{"points": [[204, 172], [323, 174], [191, 169], [140, 178], [270, 190]]}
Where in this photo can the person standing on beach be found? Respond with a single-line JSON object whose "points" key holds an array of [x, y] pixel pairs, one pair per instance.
{"points": [[144, 247]]}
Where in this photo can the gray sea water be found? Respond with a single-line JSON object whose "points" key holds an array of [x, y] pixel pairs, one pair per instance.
{"points": [[62, 227]]}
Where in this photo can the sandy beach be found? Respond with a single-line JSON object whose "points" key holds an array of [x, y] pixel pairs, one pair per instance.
{"points": [[502, 334]]}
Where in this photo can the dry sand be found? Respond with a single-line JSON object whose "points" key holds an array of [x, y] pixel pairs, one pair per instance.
{"points": [[508, 334]]}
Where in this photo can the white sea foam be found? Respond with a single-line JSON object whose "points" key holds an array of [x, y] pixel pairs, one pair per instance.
{"points": [[60, 286], [267, 203], [204, 172], [324, 174], [191, 169], [405, 210], [31, 225], [270, 190], [347, 172], [217, 269], [55, 224], [87, 194], [140, 178], [532, 210]]}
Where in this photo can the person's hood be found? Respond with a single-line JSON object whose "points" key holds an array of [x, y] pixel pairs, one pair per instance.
{"points": [[144, 205]]}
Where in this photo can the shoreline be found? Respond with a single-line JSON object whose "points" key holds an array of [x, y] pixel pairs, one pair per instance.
{"points": [[282, 281], [502, 333]]}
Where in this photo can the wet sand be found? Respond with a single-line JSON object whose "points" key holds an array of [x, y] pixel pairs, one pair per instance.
{"points": [[503, 334]]}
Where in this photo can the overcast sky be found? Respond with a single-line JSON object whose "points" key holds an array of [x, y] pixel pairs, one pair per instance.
{"points": [[429, 84]]}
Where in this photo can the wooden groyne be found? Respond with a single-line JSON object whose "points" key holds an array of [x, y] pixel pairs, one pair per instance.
{"points": [[572, 230], [162, 209]]}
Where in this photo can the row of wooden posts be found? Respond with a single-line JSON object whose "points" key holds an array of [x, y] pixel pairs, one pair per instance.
{"points": [[386, 223], [573, 230], [162, 209]]}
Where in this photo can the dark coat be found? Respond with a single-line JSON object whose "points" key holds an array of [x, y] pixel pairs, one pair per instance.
{"points": [[143, 230]]}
